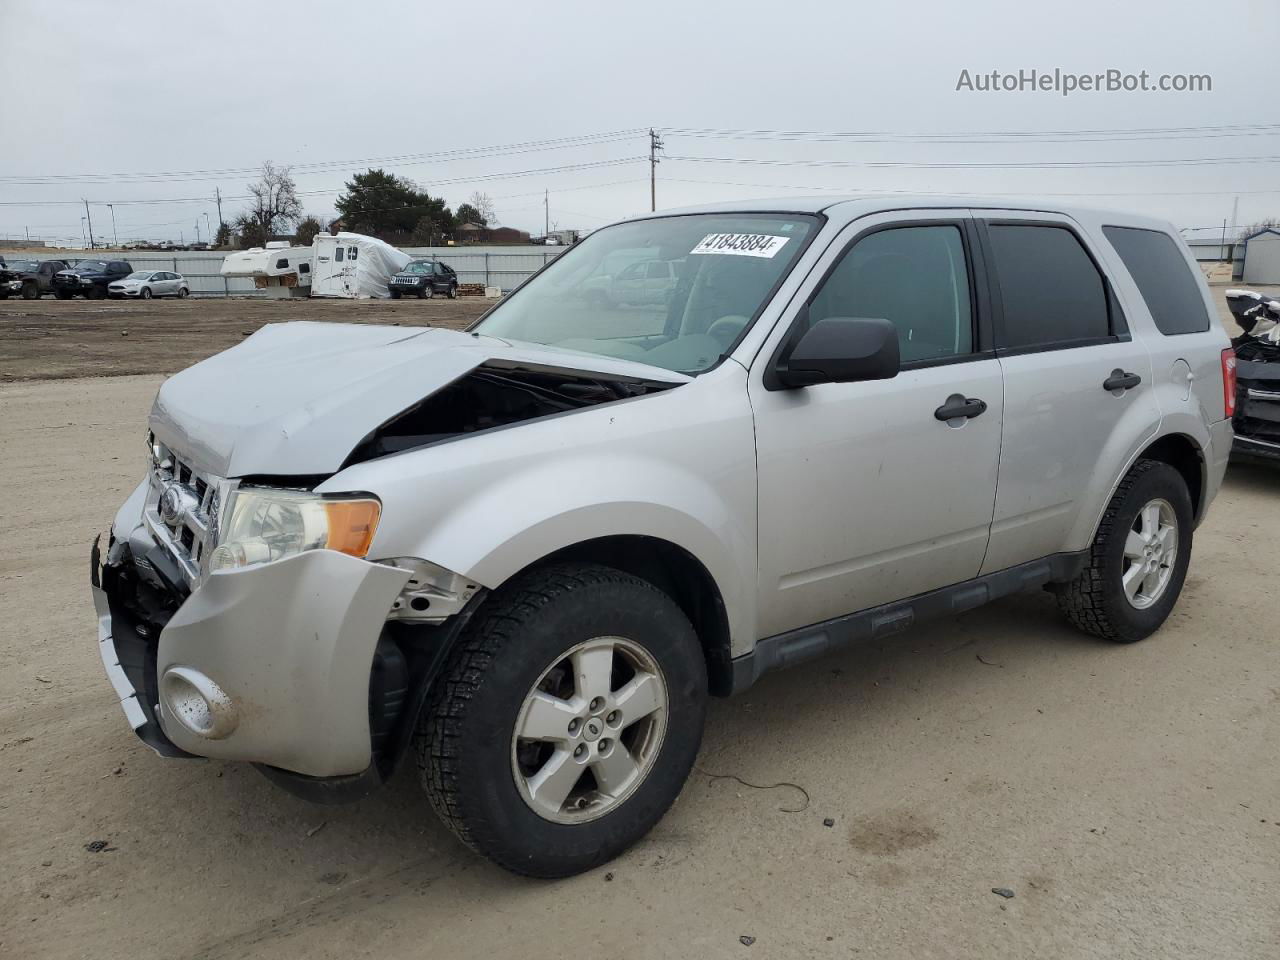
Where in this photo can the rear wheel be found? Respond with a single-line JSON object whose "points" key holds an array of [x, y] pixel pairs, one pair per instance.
{"points": [[566, 721], [1138, 560], [453, 291], [182, 293]]}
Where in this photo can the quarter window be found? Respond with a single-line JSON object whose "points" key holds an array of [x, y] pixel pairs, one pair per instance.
{"points": [[1163, 278], [1051, 291], [916, 278], [337, 254]]}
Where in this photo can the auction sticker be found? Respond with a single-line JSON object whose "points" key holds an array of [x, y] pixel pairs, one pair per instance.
{"points": [[741, 244]]}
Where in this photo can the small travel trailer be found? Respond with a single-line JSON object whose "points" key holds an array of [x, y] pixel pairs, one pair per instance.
{"points": [[352, 265], [277, 269]]}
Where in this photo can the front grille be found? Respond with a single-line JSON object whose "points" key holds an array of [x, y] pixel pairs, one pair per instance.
{"points": [[189, 535]]}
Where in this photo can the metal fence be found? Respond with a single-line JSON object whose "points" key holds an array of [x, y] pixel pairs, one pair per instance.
{"points": [[504, 267]]}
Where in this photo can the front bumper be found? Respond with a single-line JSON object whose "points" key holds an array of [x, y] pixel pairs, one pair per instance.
{"points": [[288, 645]]}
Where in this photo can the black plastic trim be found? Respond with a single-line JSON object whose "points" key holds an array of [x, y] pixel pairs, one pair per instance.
{"points": [[807, 643]]}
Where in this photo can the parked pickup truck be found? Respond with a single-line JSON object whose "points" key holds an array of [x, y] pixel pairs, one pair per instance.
{"points": [[526, 554], [89, 278], [30, 279]]}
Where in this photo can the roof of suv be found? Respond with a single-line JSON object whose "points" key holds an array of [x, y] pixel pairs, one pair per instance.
{"points": [[845, 208]]}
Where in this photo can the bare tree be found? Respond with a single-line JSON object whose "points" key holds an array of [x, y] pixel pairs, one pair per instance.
{"points": [[483, 205], [1253, 228], [275, 200]]}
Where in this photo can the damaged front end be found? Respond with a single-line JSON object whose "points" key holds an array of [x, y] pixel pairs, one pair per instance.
{"points": [[239, 614]]}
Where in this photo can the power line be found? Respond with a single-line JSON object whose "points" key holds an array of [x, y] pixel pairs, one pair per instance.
{"points": [[980, 165], [443, 156], [845, 190], [988, 136]]}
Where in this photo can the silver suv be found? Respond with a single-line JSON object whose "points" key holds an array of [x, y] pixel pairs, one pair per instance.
{"points": [[529, 552]]}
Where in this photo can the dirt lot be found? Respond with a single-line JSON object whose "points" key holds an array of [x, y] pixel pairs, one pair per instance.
{"points": [[55, 339], [1128, 795]]}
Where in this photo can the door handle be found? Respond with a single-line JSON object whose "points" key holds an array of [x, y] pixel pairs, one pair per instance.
{"points": [[958, 405], [1120, 380]]}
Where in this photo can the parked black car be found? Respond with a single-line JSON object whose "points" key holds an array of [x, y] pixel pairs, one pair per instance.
{"points": [[425, 278], [30, 278], [89, 278]]}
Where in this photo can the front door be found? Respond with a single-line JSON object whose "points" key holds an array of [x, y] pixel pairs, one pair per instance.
{"points": [[865, 494]]}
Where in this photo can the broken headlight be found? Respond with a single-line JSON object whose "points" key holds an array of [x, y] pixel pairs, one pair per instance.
{"points": [[265, 525]]}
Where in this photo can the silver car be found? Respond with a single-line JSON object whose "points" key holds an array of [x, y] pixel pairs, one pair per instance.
{"points": [[146, 284], [525, 555]]}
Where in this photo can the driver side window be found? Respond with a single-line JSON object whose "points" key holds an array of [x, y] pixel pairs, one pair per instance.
{"points": [[915, 277]]}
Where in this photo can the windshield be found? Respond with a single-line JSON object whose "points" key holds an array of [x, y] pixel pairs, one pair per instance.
{"points": [[418, 267], [674, 292], [91, 266], [140, 275], [23, 266]]}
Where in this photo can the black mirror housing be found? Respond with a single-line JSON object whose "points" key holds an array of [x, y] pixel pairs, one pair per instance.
{"points": [[839, 350]]}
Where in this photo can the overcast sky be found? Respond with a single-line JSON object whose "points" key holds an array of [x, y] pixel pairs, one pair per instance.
{"points": [[204, 91]]}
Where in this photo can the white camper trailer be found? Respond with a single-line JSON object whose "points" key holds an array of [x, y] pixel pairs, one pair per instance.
{"points": [[352, 265], [277, 269]]}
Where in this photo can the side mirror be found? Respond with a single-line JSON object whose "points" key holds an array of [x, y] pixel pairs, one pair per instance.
{"points": [[839, 350]]}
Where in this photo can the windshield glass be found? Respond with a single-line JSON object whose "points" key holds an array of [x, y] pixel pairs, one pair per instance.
{"points": [[91, 266], [23, 266], [418, 267], [140, 275], [674, 292]]}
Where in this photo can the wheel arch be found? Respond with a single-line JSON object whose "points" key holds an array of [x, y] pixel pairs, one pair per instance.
{"points": [[677, 573], [1185, 455]]}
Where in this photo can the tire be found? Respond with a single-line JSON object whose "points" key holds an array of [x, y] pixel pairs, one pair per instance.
{"points": [[30, 291], [62, 294], [182, 293], [395, 294], [96, 293], [426, 292], [1096, 601], [472, 765], [146, 293], [453, 291]]}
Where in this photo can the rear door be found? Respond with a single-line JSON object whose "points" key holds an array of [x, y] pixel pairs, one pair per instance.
{"points": [[1077, 385]]}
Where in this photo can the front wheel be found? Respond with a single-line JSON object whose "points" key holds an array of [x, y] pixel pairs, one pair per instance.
{"points": [[1138, 560], [395, 294], [566, 722], [425, 292], [30, 291], [62, 294], [146, 293]]}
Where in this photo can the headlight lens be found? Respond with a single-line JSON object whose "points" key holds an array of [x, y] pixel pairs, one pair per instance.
{"points": [[267, 525]]}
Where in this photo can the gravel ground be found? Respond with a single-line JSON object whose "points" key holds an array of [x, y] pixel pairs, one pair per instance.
{"points": [[1128, 796]]}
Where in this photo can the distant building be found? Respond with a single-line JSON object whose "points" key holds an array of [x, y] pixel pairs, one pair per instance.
{"points": [[1261, 257], [467, 233]]}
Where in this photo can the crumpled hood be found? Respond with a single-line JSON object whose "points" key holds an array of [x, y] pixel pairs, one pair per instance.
{"points": [[295, 399]]}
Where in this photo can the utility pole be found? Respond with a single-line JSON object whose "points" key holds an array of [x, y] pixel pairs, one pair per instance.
{"points": [[114, 236], [546, 213], [217, 198], [88, 217], [655, 144], [208, 229], [197, 231]]}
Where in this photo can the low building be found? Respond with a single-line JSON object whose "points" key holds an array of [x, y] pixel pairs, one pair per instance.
{"points": [[1262, 257]]}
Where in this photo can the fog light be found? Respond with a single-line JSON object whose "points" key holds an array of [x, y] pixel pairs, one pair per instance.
{"points": [[198, 703]]}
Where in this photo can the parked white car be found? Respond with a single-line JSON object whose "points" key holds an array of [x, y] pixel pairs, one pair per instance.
{"points": [[526, 554], [146, 284]]}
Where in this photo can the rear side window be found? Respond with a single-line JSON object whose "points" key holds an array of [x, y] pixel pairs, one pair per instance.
{"points": [[1051, 291], [1163, 278], [338, 254]]}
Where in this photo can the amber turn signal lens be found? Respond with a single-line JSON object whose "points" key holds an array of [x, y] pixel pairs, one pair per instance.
{"points": [[351, 525]]}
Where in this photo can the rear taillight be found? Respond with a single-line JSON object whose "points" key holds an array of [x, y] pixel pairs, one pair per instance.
{"points": [[1228, 383]]}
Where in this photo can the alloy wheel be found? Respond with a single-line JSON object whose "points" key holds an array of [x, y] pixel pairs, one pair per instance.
{"points": [[1150, 552], [590, 730]]}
